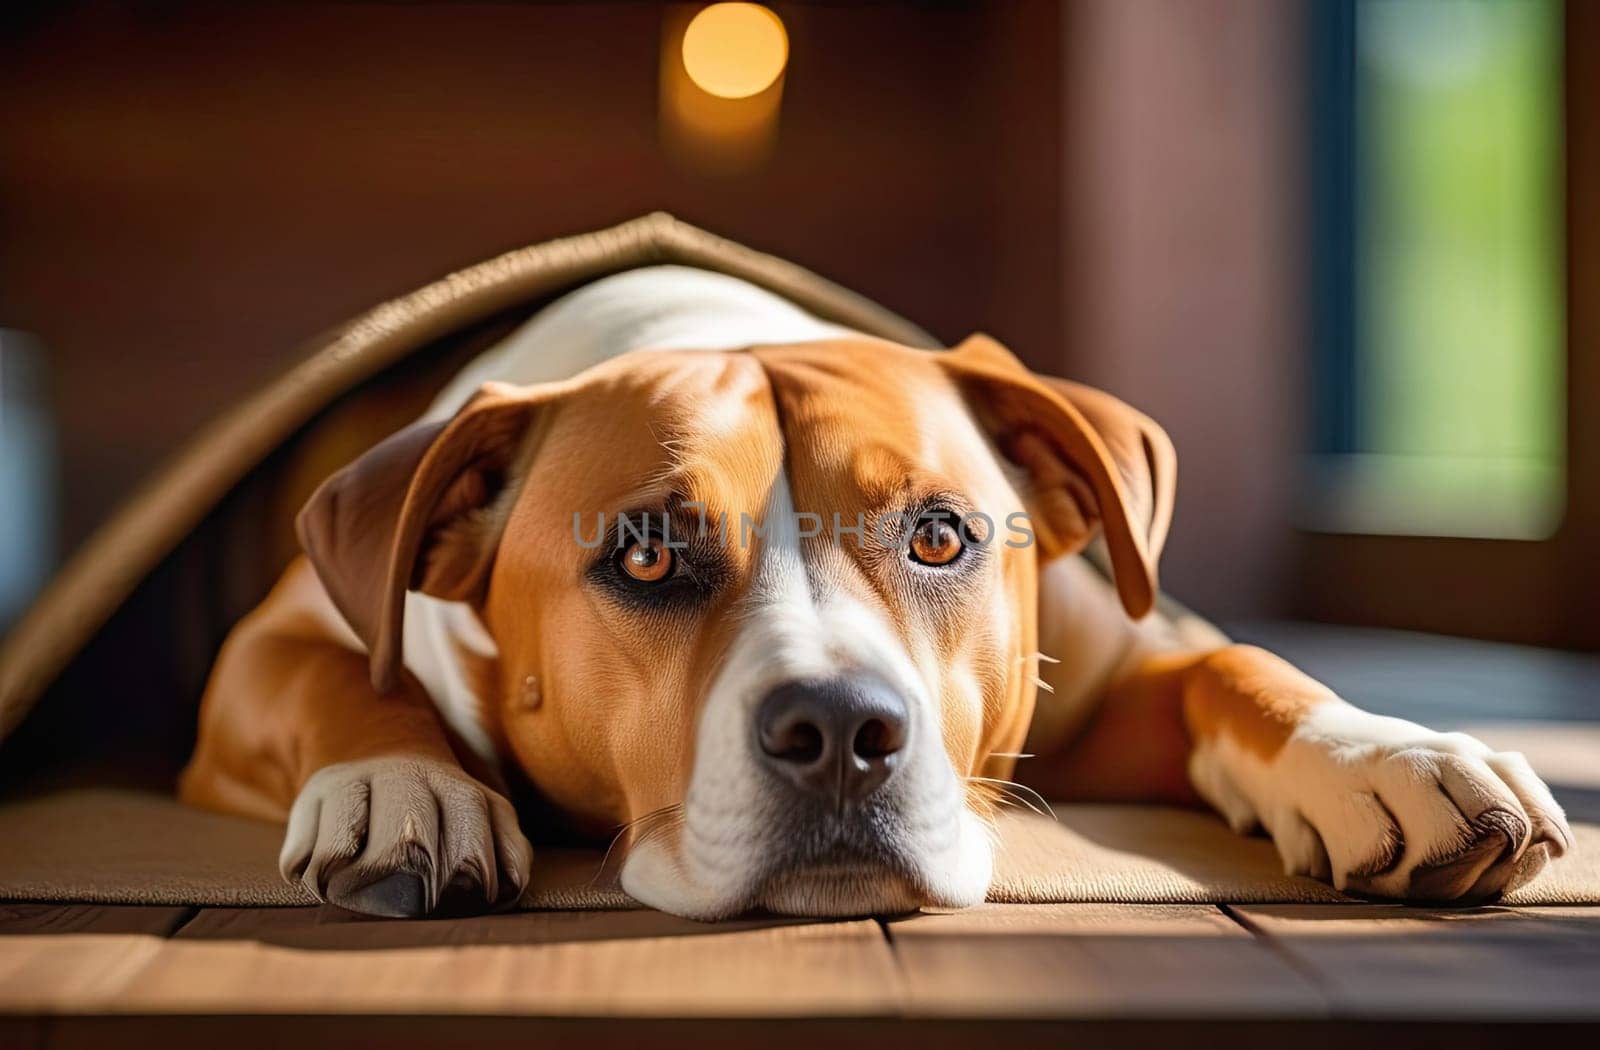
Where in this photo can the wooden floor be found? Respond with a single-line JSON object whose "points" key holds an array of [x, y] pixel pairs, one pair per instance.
{"points": [[1288, 977], [81, 975]]}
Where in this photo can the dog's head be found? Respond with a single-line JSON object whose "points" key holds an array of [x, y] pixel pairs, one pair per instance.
{"points": [[774, 609]]}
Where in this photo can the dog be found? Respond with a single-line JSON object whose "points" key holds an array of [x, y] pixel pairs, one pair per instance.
{"points": [[635, 557]]}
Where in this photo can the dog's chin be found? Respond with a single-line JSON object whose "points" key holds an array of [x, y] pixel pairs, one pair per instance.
{"points": [[656, 878], [819, 885]]}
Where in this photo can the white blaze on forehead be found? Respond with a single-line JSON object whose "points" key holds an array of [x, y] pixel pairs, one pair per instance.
{"points": [[792, 629], [782, 626]]}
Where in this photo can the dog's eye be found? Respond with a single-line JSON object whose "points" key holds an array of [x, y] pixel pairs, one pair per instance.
{"points": [[648, 561], [936, 541]]}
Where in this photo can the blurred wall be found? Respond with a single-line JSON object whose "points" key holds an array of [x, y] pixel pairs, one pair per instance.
{"points": [[190, 191], [1183, 267]]}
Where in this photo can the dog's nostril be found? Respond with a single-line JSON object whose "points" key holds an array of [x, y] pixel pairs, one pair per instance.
{"points": [[838, 738], [797, 742], [878, 739]]}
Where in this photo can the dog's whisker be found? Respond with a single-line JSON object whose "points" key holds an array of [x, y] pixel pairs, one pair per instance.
{"points": [[641, 828], [982, 799], [630, 838], [1019, 792], [655, 831]]}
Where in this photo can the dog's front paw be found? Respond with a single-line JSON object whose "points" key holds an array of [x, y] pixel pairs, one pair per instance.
{"points": [[392, 836], [1386, 808]]}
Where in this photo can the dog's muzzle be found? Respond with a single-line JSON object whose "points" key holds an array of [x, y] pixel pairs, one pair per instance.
{"points": [[834, 740]]}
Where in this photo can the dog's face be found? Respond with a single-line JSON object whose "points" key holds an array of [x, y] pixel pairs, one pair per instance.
{"points": [[771, 609]]}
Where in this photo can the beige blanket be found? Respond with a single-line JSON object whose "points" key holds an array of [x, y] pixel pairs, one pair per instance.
{"points": [[117, 847]]}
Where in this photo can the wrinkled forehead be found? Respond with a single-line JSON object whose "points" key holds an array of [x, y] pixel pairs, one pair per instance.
{"points": [[656, 425], [868, 424], [849, 426]]}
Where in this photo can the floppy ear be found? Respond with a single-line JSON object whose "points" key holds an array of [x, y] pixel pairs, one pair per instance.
{"points": [[1092, 461], [419, 511]]}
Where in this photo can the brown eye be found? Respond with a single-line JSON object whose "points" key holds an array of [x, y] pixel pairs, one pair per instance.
{"points": [[648, 561], [935, 542]]}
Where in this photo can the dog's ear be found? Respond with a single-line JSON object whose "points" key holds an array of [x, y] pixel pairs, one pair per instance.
{"points": [[1092, 461], [422, 510]]}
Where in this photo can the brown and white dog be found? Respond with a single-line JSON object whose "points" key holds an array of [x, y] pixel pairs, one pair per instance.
{"points": [[787, 705]]}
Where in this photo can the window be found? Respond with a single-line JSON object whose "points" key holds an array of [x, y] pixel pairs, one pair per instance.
{"points": [[1437, 200]]}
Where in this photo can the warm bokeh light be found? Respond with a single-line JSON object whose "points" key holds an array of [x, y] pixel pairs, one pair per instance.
{"points": [[735, 50]]}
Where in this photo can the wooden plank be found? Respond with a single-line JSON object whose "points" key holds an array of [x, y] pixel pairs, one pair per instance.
{"points": [[1127, 920], [44, 973], [1079, 962], [73, 956], [635, 963], [1492, 963], [1094, 961], [23, 1033], [330, 927], [23, 917], [487, 1032]]}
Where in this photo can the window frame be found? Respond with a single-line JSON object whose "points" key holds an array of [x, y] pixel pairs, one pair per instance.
{"points": [[1535, 591]]}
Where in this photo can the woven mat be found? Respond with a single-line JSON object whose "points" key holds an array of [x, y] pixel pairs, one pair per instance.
{"points": [[121, 847]]}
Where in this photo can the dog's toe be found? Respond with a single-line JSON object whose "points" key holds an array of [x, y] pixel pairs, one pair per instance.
{"points": [[1300, 847], [1463, 830], [1462, 879], [394, 837]]}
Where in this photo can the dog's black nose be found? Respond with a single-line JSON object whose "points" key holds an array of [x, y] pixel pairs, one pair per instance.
{"points": [[837, 738]]}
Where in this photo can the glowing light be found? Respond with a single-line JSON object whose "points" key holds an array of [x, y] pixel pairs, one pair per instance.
{"points": [[735, 50]]}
